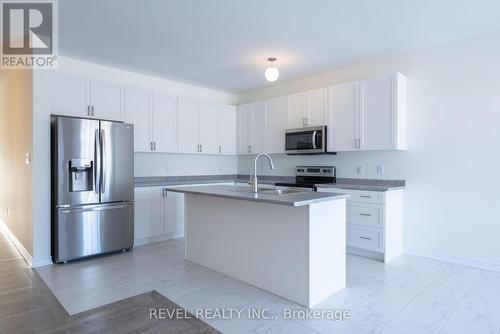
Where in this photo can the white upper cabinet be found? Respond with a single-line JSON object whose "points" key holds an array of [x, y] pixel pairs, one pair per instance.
{"points": [[208, 128], [297, 111], [106, 100], [244, 129], [343, 120], [258, 143], [227, 130], [138, 111], [317, 107], [251, 128], [275, 125], [383, 112], [164, 122], [188, 136], [308, 108], [70, 95], [73, 95]]}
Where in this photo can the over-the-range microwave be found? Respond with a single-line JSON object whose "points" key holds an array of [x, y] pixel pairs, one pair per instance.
{"points": [[310, 140]]}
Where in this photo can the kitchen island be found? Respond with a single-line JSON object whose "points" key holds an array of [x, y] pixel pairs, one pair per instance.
{"points": [[288, 242]]}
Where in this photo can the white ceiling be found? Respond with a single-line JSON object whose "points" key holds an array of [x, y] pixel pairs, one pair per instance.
{"points": [[224, 44]]}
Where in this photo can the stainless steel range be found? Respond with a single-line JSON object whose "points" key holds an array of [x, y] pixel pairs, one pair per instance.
{"points": [[92, 187], [309, 176]]}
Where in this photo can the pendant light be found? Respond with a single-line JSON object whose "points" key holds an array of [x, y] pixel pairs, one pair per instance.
{"points": [[271, 72]]}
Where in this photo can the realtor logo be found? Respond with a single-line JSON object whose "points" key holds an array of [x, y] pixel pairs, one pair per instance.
{"points": [[29, 34]]}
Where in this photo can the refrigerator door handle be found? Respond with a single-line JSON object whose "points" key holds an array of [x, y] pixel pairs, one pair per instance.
{"points": [[97, 160], [90, 208], [103, 163]]}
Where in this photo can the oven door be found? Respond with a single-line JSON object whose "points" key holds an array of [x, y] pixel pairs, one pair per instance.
{"points": [[305, 140]]}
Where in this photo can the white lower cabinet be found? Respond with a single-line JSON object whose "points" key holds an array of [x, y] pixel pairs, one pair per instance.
{"points": [[158, 215], [374, 222]]}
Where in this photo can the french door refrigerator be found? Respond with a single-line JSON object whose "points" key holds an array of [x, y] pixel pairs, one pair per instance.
{"points": [[92, 187]]}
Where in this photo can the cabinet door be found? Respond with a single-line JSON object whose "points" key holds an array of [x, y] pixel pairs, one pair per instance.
{"points": [[275, 125], [188, 135], [317, 109], [138, 105], [244, 118], [70, 95], [209, 137], [297, 105], [148, 212], [165, 122], [343, 123], [377, 110], [107, 100], [227, 130], [174, 213], [258, 132]]}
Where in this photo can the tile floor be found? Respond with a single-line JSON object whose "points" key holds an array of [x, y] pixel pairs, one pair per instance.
{"points": [[409, 295]]}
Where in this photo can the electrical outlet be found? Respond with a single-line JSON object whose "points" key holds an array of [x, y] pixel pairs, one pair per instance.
{"points": [[27, 158], [360, 170], [380, 169]]}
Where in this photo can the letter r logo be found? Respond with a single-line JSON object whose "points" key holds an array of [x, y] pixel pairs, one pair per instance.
{"points": [[27, 27]]}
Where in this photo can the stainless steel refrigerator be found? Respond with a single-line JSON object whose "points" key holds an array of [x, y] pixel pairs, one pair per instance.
{"points": [[92, 187]]}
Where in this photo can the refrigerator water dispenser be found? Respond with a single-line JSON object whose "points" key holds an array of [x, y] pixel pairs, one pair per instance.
{"points": [[81, 175]]}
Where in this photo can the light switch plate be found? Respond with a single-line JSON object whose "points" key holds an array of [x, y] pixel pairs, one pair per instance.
{"points": [[27, 158], [360, 170]]}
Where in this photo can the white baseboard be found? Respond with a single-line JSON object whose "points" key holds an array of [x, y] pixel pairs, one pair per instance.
{"points": [[454, 259], [8, 233], [41, 263], [163, 237]]}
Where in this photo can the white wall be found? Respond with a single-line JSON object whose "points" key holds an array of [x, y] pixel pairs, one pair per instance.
{"points": [[146, 164], [16, 140], [452, 164], [156, 164]]}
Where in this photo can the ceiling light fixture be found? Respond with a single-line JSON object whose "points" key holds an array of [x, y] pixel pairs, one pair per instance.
{"points": [[271, 72]]}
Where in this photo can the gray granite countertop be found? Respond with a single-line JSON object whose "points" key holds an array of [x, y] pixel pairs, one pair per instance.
{"points": [[342, 183], [245, 193], [365, 184]]}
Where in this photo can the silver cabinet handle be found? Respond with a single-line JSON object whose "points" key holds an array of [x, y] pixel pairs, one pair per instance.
{"points": [[92, 109], [154, 146], [365, 238], [365, 214], [104, 167], [365, 196], [220, 149], [201, 148], [88, 110]]}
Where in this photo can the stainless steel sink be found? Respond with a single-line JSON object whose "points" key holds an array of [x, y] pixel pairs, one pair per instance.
{"points": [[268, 191], [281, 191]]}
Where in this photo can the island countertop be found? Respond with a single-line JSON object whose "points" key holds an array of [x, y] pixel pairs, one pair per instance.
{"points": [[265, 196]]}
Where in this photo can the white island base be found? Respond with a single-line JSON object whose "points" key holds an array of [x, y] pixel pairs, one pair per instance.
{"points": [[296, 252]]}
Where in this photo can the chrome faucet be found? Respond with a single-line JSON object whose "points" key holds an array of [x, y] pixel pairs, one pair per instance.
{"points": [[255, 185]]}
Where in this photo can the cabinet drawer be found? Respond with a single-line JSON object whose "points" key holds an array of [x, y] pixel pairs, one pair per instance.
{"points": [[376, 197], [366, 197], [365, 238], [370, 215]]}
